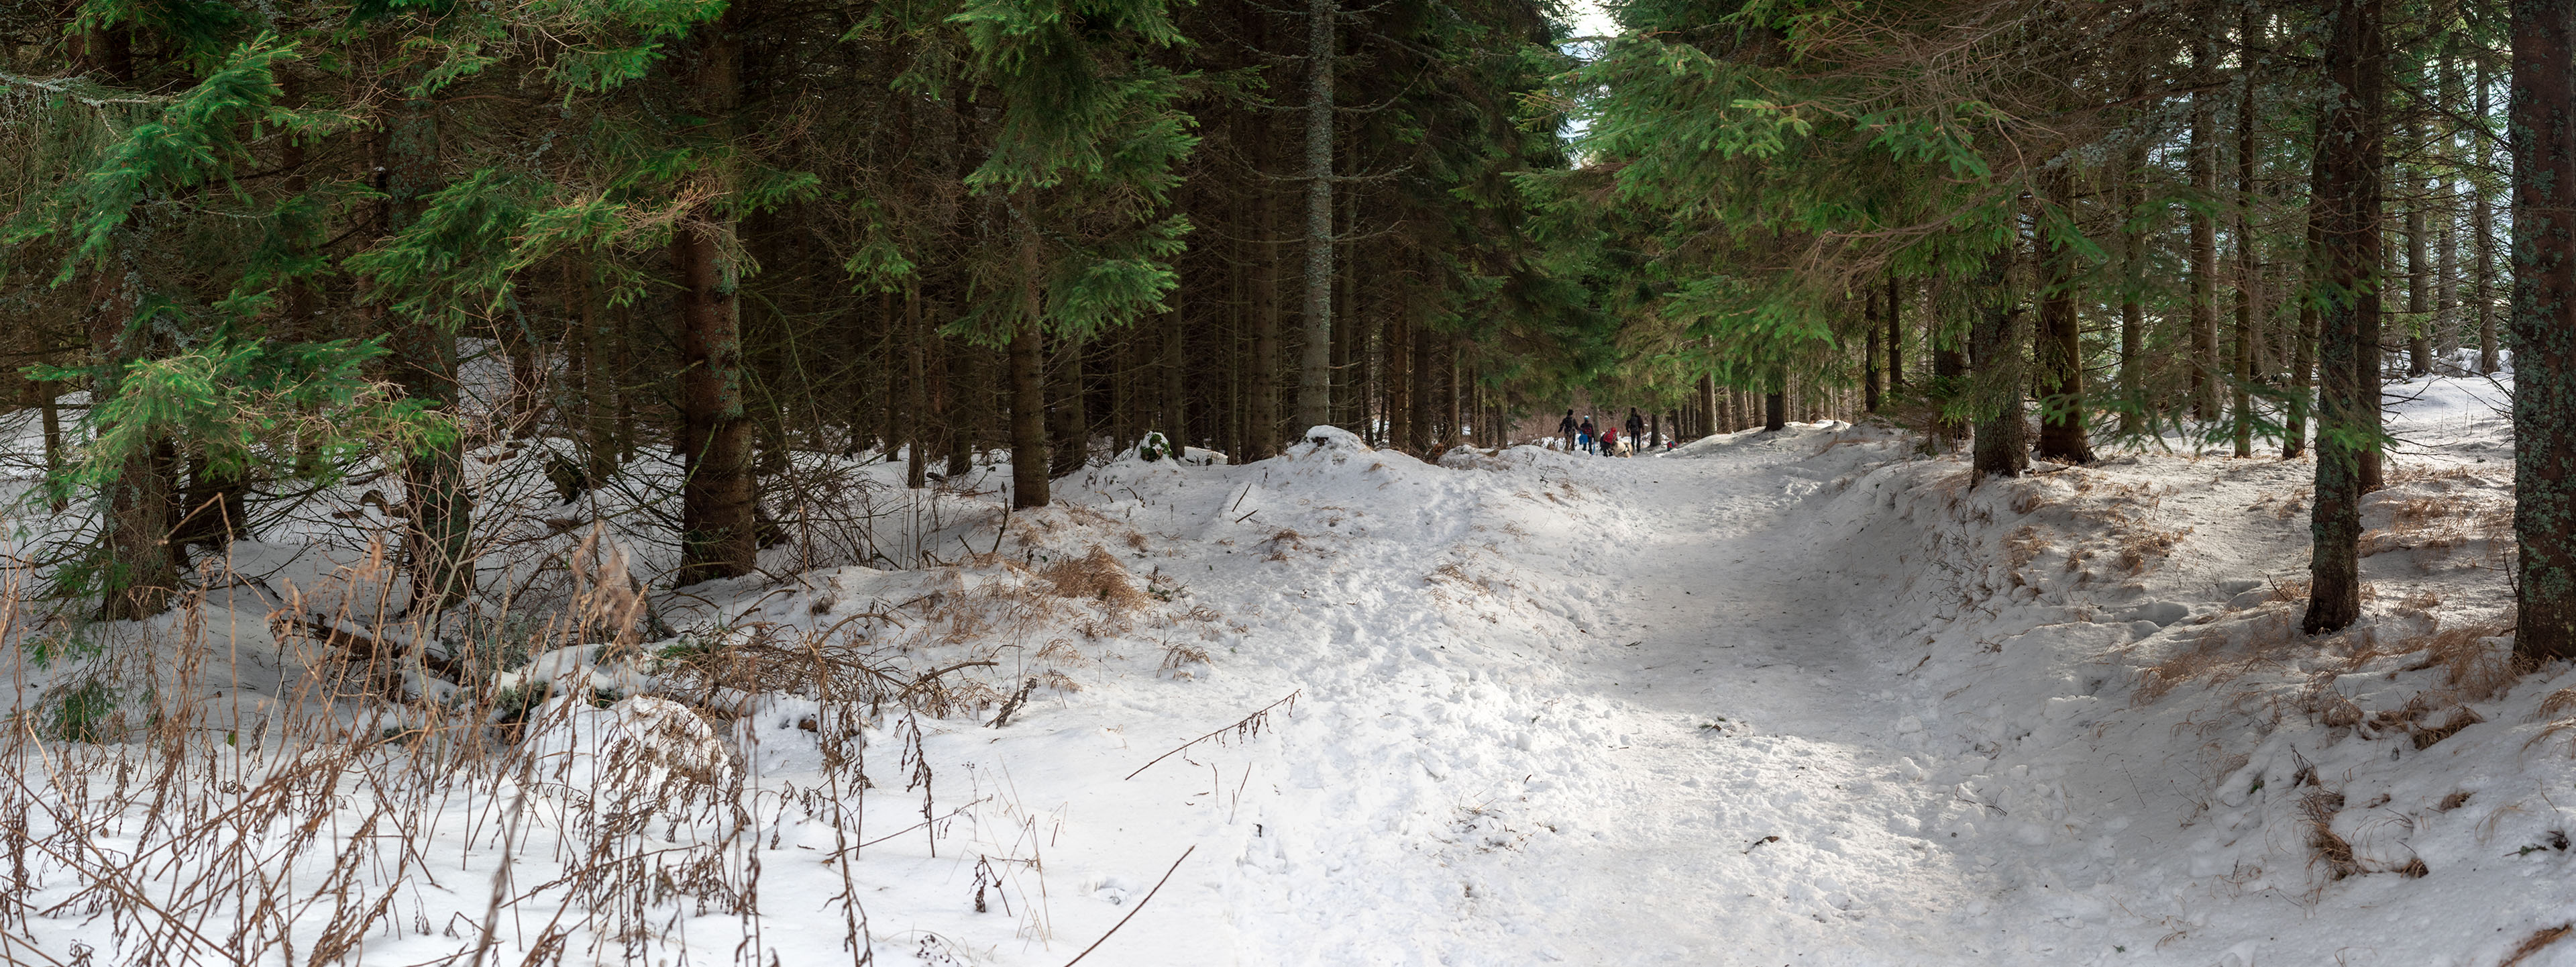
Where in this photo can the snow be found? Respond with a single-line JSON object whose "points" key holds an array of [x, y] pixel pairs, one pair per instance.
{"points": [[1796, 697]]}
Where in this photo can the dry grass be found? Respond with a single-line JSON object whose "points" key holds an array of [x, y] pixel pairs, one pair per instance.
{"points": [[1095, 576], [313, 833], [1177, 657], [326, 817], [2415, 471], [2266, 640], [2559, 711], [2435, 527], [2461, 717], [2324, 845], [1284, 543], [2539, 940], [2293, 590], [2328, 706], [2143, 549], [2022, 546], [2473, 667], [2030, 496]]}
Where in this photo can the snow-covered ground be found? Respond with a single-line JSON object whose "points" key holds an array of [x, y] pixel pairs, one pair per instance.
{"points": [[1792, 698]]}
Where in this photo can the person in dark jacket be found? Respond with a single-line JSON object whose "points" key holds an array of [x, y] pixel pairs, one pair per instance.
{"points": [[1636, 428], [1565, 428], [1586, 432]]}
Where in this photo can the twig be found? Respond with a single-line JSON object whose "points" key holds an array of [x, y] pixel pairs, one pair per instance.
{"points": [[1251, 722], [951, 814], [1140, 908], [1014, 704]]}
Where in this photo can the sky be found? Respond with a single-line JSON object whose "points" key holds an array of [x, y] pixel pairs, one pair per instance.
{"points": [[1590, 19]]}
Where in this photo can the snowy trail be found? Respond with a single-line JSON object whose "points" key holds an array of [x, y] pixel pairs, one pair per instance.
{"points": [[1775, 699], [1693, 778]]}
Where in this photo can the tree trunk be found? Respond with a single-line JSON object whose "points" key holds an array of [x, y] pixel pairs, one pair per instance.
{"points": [[2303, 360], [2201, 160], [1708, 393], [1173, 416], [1261, 405], [965, 382], [2347, 196], [716, 501], [1028, 391], [2482, 227], [1315, 366], [1869, 354], [50, 411], [1068, 425], [1425, 382], [1456, 390], [2446, 272], [1949, 379], [2128, 194], [916, 468], [2248, 266], [436, 496], [2419, 279], [1895, 338], [138, 573], [2543, 114], [2063, 424], [1995, 348]]}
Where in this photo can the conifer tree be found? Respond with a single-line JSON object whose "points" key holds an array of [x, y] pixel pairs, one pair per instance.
{"points": [[2543, 125]]}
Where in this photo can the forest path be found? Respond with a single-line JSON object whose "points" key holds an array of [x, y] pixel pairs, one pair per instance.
{"points": [[1700, 778]]}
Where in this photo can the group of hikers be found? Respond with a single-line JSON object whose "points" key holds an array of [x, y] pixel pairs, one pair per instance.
{"points": [[1608, 442]]}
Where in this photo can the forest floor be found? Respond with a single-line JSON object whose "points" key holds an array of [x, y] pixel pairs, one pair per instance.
{"points": [[1790, 698]]}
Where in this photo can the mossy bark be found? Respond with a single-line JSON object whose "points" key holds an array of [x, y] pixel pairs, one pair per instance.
{"points": [[2543, 115]]}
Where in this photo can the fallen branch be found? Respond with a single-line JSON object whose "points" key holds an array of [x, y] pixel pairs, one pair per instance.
{"points": [[331, 635], [926, 678], [1250, 725], [1140, 908]]}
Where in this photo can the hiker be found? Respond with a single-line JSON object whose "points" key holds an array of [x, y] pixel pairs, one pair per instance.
{"points": [[1636, 428], [1565, 428], [1585, 434], [1611, 444]]}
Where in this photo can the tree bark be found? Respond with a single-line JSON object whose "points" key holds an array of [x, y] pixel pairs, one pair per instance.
{"points": [[2419, 279], [139, 572], [718, 529], [1315, 365], [964, 366], [2348, 198], [1068, 432], [1995, 348], [717, 534], [2064, 422], [1425, 383], [2201, 161], [1029, 458], [2303, 359], [2482, 228], [1261, 389], [1895, 338], [2248, 267], [2128, 194], [2543, 122], [1949, 379], [918, 424], [1869, 362]]}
